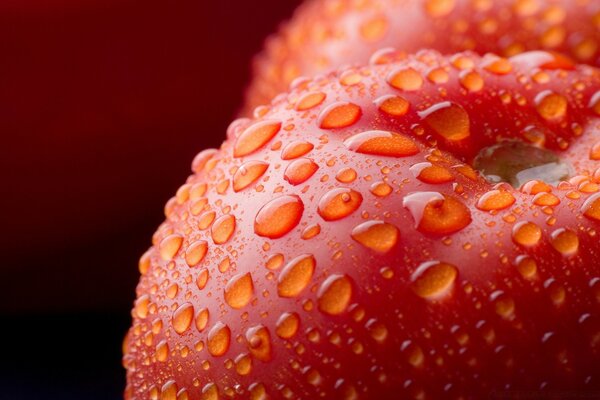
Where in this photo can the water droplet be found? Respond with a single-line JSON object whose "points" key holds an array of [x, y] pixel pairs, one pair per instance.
{"points": [[437, 214], [346, 175], [526, 266], [376, 235], [504, 305], [471, 81], [448, 120], [339, 115], [591, 207], [439, 8], [433, 279], [206, 220], [239, 290], [210, 392], [546, 200], [223, 229], [526, 234], [374, 29], [335, 294], [169, 246], [248, 173], [296, 275], [382, 143], [255, 137], [395, 106], [141, 306], [429, 173], [258, 392], [259, 342], [243, 364], [287, 325], [498, 65], [202, 278], [162, 351], [381, 189], [310, 100], [169, 391], [202, 319], [550, 105], [279, 216], [300, 170], [565, 241], [196, 252], [405, 79], [495, 200], [377, 330], [339, 203], [182, 317], [218, 339], [311, 231], [413, 353], [296, 149]]}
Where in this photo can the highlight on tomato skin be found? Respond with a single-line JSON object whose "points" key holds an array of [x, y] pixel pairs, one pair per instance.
{"points": [[343, 244], [326, 34]]}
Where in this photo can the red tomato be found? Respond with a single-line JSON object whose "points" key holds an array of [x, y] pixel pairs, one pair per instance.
{"points": [[341, 244]]}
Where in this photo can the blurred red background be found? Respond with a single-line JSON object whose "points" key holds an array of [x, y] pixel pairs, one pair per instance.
{"points": [[103, 106]]}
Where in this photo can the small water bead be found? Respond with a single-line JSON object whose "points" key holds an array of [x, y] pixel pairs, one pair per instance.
{"points": [[382, 143], [223, 228], [565, 241], [551, 105], [381, 189], [346, 175], [310, 100], [279, 216], [339, 115], [449, 120], [287, 325], [433, 279], [591, 208], [169, 246], [335, 294], [429, 173], [526, 266], [495, 200], [376, 235], [259, 342], [296, 149], [526, 234], [339, 203], [219, 338], [435, 213], [239, 290], [202, 319], [407, 79], [248, 173], [296, 275], [396, 106], [255, 137], [503, 304], [183, 317], [196, 252], [300, 170]]}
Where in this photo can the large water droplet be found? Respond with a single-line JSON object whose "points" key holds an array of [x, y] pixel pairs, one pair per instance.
{"points": [[279, 216], [526, 234], [405, 79], [433, 279], [300, 170], [223, 229], [382, 143], [335, 294], [169, 246], [287, 325], [591, 207], [196, 252], [183, 317], [239, 290], [550, 105], [218, 339], [310, 100], [339, 203], [495, 200], [448, 120], [296, 275], [437, 214], [248, 173], [259, 342], [296, 149], [255, 137], [376, 235], [565, 241], [339, 115]]}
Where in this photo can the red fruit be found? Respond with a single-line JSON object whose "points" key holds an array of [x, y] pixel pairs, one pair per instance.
{"points": [[393, 269], [326, 34]]}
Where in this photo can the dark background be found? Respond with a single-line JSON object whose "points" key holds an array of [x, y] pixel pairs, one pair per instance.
{"points": [[103, 104]]}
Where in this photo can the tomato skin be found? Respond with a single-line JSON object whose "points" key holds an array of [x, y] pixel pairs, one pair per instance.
{"points": [[393, 280], [326, 34]]}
